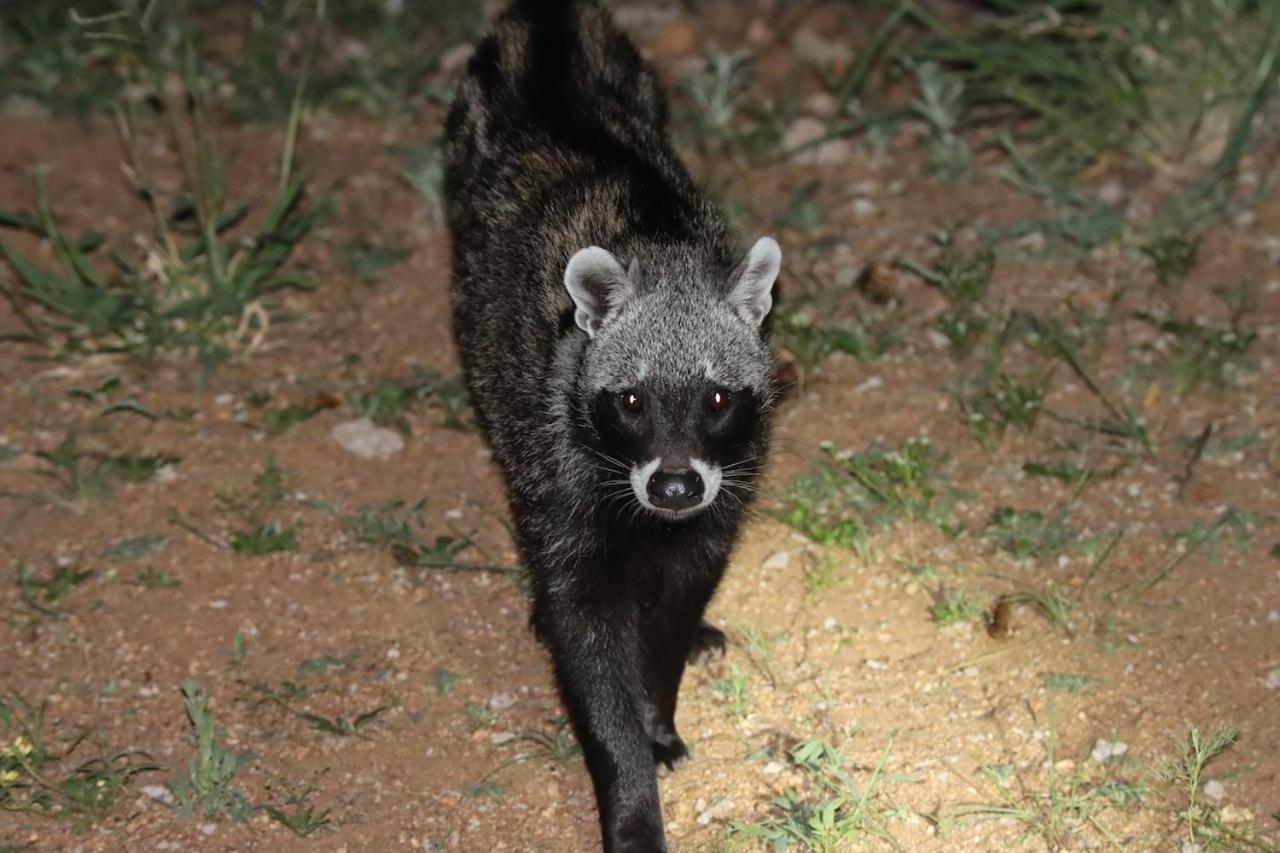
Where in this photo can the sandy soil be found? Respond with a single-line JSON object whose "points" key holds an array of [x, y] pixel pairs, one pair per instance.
{"points": [[857, 661]]}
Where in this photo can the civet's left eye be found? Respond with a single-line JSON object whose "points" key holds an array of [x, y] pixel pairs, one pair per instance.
{"points": [[718, 399]]}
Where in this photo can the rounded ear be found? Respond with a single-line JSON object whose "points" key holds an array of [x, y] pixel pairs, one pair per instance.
{"points": [[598, 286], [751, 282]]}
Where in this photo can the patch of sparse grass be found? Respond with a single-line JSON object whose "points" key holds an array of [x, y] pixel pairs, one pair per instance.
{"points": [[963, 277], [1028, 534], [302, 822], [833, 505], [389, 400], [1120, 421], [393, 522], [802, 213], [1052, 605], [423, 172], [444, 680], [994, 407], [1231, 521], [823, 507], [1136, 76], [954, 604], [288, 693], [135, 547], [365, 259], [1202, 818], [734, 692], [82, 478], [206, 779], [1066, 682], [36, 780], [153, 578], [45, 595], [819, 571], [267, 538], [811, 341], [557, 744], [939, 104], [900, 483], [832, 812], [1063, 472], [286, 417], [717, 92], [209, 293], [1060, 816], [1172, 256], [259, 535], [1201, 353], [375, 57]]}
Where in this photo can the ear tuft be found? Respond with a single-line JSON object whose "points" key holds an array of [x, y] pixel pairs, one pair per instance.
{"points": [[751, 283], [598, 285]]}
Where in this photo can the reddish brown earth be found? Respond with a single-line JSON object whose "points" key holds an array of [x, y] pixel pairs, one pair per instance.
{"points": [[858, 662]]}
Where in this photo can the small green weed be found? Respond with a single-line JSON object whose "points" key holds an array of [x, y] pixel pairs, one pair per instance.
{"points": [[1202, 819], [1063, 472], [734, 691], [136, 547], [939, 103], [267, 538], [302, 822], [811, 342], [260, 536], [994, 407], [205, 781], [82, 478], [365, 259], [284, 418], [1027, 534], [823, 507], [392, 522], [954, 604], [1204, 354], [153, 578], [819, 571], [901, 482], [35, 780], [45, 595], [717, 92], [444, 680], [557, 745], [1066, 682], [1172, 256], [387, 403], [832, 813], [1053, 606]]}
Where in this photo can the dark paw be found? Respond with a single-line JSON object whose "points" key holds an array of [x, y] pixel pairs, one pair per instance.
{"points": [[708, 644], [670, 752]]}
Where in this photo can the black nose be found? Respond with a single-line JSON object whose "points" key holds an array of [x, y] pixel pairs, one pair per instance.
{"points": [[675, 490]]}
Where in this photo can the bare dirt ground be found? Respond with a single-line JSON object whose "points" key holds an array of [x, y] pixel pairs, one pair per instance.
{"points": [[825, 641]]}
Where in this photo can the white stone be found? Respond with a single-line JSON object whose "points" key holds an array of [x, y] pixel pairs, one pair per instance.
{"points": [[367, 440], [777, 561]]}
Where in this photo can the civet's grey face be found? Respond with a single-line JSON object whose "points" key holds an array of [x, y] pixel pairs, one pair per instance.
{"points": [[678, 377]]}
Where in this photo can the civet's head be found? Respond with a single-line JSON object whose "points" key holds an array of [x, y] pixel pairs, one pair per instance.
{"points": [[677, 377]]}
